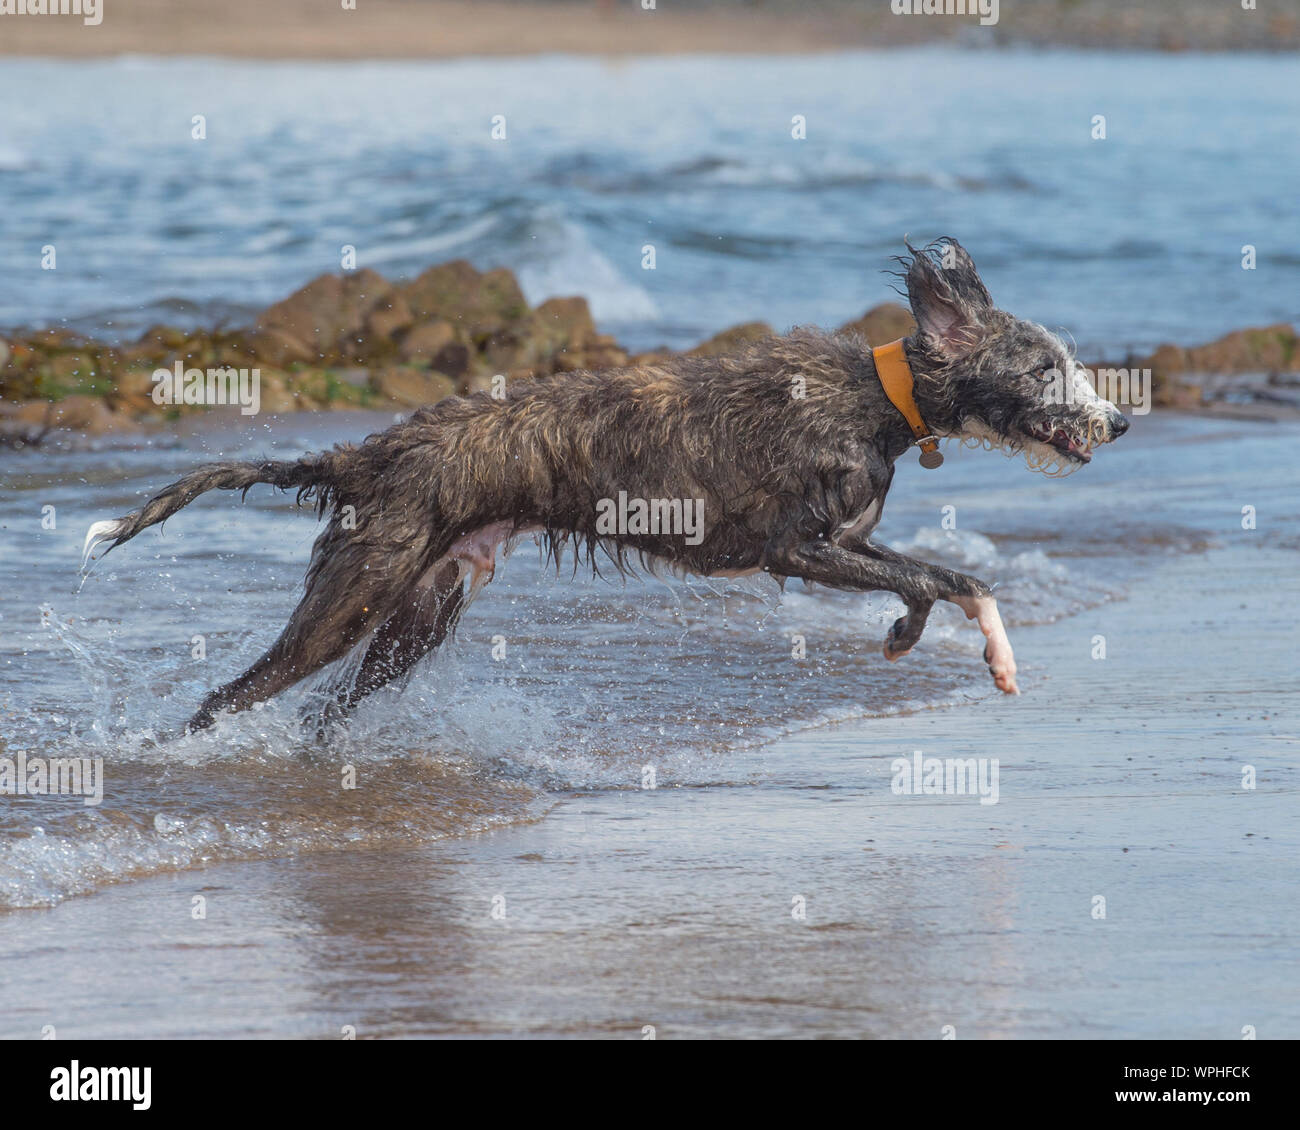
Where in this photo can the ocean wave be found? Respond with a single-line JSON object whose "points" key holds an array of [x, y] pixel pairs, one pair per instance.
{"points": [[425, 249], [826, 171], [555, 257], [1031, 587], [76, 852]]}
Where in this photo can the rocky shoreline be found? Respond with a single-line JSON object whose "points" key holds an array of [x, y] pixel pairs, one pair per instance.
{"points": [[360, 341]]}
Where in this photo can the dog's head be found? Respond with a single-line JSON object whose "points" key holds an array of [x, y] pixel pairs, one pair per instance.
{"points": [[986, 376]]}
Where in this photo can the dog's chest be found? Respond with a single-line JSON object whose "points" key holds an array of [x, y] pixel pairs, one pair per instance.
{"points": [[861, 524]]}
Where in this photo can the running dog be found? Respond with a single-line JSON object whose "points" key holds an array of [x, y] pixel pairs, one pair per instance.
{"points": [[787, 448]]}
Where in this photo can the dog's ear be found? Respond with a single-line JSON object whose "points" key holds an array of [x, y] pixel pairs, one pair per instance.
{"points": [[948, 299]]}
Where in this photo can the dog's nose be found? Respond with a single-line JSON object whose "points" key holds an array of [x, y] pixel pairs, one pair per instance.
{"points": [[1119, 424]]}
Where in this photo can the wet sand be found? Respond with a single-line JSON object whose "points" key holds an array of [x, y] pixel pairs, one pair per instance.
{"points": [[1119, 778]]}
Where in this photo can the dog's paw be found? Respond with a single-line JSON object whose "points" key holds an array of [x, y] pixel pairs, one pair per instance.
{"points": [[1002, 665], [997, 652], [896, 646], [905, 633]]}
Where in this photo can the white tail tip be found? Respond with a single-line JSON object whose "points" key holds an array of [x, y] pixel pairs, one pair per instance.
{"points": [[100, 531]]}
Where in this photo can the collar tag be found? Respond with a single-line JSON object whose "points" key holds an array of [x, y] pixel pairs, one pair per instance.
{"points": [[896, 379]]}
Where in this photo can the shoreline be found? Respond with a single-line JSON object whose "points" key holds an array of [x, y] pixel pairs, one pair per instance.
{"points": [[443, 29], [920, 912]]}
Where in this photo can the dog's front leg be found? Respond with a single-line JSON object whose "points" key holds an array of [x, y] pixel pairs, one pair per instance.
{"points": [[918, 583], [971, 595], [905, 632]]}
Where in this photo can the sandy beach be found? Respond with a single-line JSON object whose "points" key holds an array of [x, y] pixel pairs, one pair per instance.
{"points": [[417, 29]]}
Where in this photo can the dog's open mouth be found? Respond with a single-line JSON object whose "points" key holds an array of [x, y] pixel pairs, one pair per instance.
{"points": [[1073, 446]]}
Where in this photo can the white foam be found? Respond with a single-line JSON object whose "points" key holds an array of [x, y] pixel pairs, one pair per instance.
{"points": [[561, 260]]}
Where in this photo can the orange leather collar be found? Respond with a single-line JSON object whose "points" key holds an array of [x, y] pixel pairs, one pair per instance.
{"points": [[896, 379]]}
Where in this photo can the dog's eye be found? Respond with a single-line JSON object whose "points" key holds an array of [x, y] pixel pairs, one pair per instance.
{"points": [[1043, 374]]}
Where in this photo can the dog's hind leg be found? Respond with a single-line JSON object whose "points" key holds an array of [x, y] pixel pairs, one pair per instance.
{"points": [[421, 622], [423, 618], [272, 673], [353, 588]]}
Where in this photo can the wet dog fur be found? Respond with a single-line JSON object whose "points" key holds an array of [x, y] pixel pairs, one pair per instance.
{"points": [[791, 443]]}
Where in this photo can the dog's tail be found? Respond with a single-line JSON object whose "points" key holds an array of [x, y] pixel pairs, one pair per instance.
{"points": [[313, 474]]}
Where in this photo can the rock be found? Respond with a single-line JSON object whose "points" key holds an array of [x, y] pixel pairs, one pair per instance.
{"points": [[480, 306], [564, 339], [325, 388], [142, 353], [425, 341], [1267, 349], [387, 318], [82, 413], [569, 319], [882, 324], [74, 367], [1179, 374], [1166, 361], [652, 357], [551, 338], [276, 346], [603, 352], [17, 384], [52, 339], [732, 340], [32, 412], [600, 352], [122, 420], [357, 378], [275, 398], [49, 372], [412, 388], [453, 359], [133, 391], [88, 413], [486, 382], [161, 340], [330, 311], [197, 351]]}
